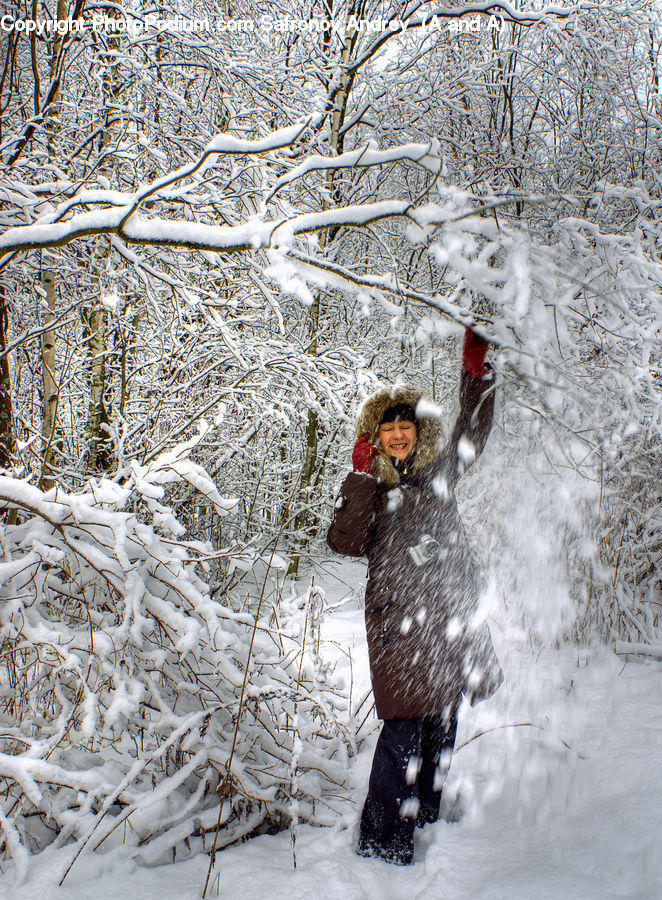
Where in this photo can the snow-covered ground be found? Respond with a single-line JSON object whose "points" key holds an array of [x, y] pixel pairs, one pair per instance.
{"points": [[560, 776]]}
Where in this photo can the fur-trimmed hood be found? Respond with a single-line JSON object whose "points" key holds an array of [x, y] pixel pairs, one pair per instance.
{"points": [[429, 440]]}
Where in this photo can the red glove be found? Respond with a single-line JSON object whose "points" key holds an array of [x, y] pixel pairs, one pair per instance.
{"points": [[363, 455], [473, 354]]}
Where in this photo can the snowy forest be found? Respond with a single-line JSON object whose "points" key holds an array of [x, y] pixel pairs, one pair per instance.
{"points": [[222, 226]]}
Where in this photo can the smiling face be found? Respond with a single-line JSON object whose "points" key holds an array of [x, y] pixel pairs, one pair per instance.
{"points": [[397, 438]]}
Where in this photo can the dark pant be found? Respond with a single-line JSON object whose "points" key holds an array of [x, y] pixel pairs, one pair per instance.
{"points": [[403, 791]]}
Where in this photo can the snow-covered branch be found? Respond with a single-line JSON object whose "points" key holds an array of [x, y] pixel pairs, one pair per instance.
{"points": [[137, 229], [112, 638], [501, 9], [425, 155], [120, 214]]}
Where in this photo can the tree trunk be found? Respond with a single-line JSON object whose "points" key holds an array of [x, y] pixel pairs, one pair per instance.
{"points": [[49, 337], [304, 517], [99, 453], [6, 409], [51, 393]]}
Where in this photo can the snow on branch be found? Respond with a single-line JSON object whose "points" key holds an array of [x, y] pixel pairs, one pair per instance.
{"points": [[127, 676], [426, 155], [508, 10], [375, 285], [626, 648], [501, 9], [252, 235], [119, 213]]}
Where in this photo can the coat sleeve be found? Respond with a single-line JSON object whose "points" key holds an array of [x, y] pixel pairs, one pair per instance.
{"points": [[472, 427], [351, 529]]}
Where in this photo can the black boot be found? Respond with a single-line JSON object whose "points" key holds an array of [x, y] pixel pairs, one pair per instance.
{"points": [[384, 831], [437, 742]]}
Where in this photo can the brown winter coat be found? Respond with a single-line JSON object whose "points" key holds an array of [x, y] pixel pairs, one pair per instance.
{"points": [[425, 649]]}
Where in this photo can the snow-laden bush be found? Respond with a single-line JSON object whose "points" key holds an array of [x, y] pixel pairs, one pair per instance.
{"points": [[130, 698]]}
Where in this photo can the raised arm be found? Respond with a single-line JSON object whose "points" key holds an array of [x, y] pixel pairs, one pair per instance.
{"points": [[474, 421]]}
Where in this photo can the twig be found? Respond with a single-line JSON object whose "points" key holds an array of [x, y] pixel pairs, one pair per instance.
{"points": [[228, 775]]}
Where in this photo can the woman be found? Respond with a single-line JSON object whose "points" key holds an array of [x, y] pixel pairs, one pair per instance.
{"points": [[398, 507]]}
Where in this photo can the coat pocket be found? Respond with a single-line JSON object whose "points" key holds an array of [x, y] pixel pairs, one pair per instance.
{"points": [[384, 636], [381, 629], [378, 620], [381, 610]]}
